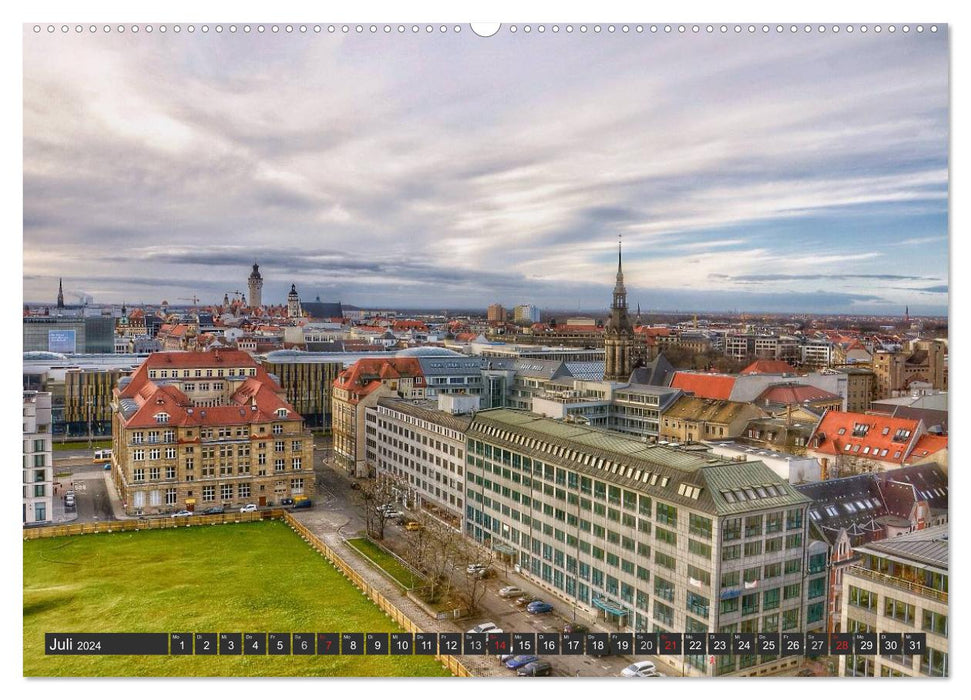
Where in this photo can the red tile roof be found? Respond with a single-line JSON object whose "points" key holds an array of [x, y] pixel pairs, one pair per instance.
{"points": [[769, 367], [864, 436], [653, 332], [365, 375], [927, 445], [410, 325], [257, 399], [706, 386]]}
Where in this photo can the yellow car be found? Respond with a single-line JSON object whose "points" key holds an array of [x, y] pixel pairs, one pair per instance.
{"points": [[413, 525]]}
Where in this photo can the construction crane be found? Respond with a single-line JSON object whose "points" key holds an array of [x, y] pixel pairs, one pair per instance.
{"points": [[194, 299]]}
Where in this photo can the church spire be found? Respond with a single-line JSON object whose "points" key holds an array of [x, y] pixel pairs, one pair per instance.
{"points": [[620, 292], [60, 293], [619, 334]]}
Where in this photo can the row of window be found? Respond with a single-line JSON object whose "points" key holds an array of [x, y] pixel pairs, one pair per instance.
{"points": [[220, 372], [897, 610], [614, 495]]}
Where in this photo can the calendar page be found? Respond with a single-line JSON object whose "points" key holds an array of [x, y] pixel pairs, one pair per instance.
{"points": [[601, 350]]}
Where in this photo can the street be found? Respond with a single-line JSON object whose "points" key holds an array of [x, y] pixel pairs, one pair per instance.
{"points": [[87, 480], [338, 508]]}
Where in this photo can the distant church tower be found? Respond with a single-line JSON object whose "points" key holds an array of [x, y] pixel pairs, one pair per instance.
{"points": [[256, 287], [619, 337], [293, 303], [60, 293]]}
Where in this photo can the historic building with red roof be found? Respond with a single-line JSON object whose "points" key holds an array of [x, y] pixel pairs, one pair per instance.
{"points": [[360, 386], [785, 396], [847, 443], [195, 430]]}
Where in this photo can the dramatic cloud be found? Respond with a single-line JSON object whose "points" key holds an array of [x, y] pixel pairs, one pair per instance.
{"points": [[741, 171]]}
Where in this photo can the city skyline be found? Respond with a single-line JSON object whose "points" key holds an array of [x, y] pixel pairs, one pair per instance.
{"points": [[760, 173]]}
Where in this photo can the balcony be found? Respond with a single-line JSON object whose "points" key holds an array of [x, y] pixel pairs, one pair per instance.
{"points": [[898, 583]]}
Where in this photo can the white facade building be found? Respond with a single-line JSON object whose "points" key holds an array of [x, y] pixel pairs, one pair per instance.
{"points": [[417, 443], [38, 471]]}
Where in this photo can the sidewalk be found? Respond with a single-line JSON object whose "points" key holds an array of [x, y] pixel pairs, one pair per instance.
{"points": [[117, 509], [477, 665]]}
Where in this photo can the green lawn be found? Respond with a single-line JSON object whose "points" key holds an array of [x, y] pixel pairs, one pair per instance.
{"points": [[388, 563], [247, 577], [81, 444]]}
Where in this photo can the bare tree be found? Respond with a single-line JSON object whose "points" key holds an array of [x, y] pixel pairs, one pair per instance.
{"points": [[442, 555], [378, 497], [476, 562]]}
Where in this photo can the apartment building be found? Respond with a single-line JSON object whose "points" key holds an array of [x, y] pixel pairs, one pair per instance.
{"points": [[899, 586], [38, 470], [194, 430], [646, 538]]}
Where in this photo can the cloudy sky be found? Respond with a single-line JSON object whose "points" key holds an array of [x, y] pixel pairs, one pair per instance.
{"points": [[792, 172]]}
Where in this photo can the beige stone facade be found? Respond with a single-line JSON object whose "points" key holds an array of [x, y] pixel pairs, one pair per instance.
{"points": [[198, 430]]}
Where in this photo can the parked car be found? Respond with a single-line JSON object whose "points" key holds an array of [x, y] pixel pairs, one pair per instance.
{"points": [[69, 500], [215, 510], [575, 627], [413, 526], [525, 599], [510, 592], [650, 674], [638, 669], [107, 466], [182, 514], [474, 568], [538, 607], [301, 502], [286, 501], [484, 627], [503, 658], [536, 668], [249, 508], [521, 660]]}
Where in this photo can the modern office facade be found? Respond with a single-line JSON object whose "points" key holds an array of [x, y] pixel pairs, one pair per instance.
{"points": [[80, 387], [900, 585], [647, 538], [634, 409], [308, 380], [38, 470], [69, 335], [418, 444]]}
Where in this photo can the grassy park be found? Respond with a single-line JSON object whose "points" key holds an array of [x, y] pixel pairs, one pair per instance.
{"points": [[222, 578], [387, 563]]}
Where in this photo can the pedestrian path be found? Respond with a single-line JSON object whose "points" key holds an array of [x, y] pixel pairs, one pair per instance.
{"points": [[477, 665]]}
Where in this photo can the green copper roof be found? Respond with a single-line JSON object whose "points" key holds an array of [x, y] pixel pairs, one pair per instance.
{"points": [[699, 480]]}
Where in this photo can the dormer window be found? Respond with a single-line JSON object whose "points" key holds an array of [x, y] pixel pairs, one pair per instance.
{"points": [[281, 413], [162, 417]]}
